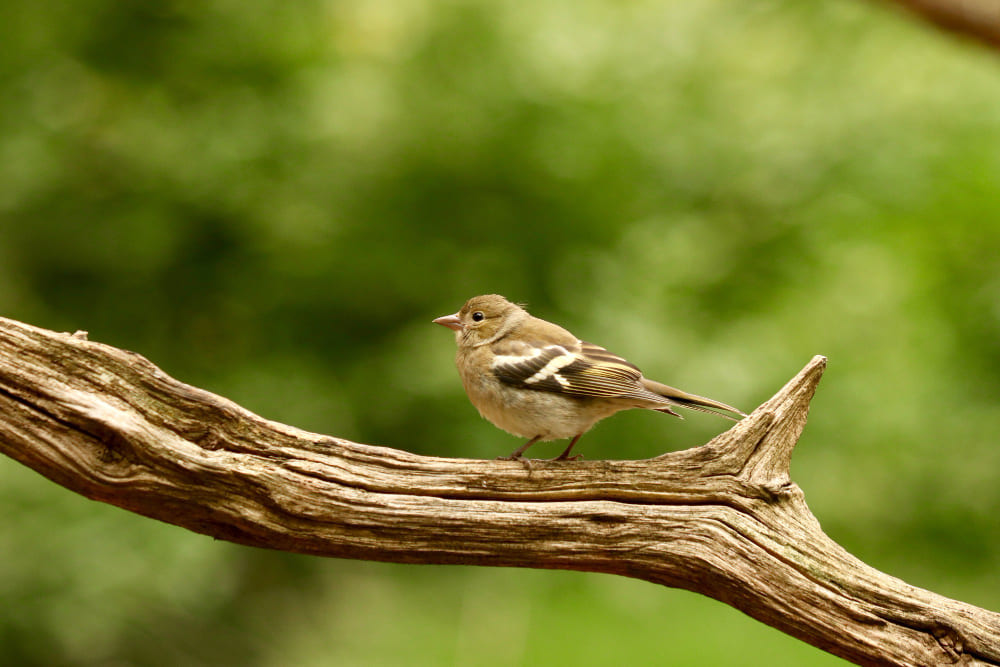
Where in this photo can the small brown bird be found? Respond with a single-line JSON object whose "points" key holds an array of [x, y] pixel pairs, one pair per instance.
{"points": [[534, 379]]}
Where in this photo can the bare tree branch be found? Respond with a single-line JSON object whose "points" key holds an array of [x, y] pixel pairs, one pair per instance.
{"points": [[978, 19], [723, 519]]}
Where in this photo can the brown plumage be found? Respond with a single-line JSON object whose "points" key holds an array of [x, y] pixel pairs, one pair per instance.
{"points": [[534, 379]]}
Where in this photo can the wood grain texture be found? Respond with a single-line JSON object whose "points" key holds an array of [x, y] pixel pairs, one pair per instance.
{"points": [[723, 519]]}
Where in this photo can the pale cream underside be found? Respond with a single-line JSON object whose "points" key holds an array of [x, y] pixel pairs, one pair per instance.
{"points": [[529, 413]]}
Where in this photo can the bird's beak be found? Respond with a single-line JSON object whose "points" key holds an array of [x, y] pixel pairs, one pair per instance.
{"points": [[450, 321]]}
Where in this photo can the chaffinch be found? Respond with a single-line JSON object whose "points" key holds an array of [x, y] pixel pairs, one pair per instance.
{"points": [[534, 379]]}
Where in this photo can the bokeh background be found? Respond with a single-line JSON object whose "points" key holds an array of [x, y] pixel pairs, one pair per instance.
{"points": [[271, 200]]}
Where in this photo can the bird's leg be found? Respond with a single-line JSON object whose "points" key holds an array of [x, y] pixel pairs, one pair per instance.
{"points": [[565, 455], [518, 454]]}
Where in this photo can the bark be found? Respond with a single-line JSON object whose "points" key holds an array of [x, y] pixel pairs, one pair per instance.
{"points": [[723, 519], [976, 19]]}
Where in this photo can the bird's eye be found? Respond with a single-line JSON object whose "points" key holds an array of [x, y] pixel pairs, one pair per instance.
{"points": [[478, 316]]}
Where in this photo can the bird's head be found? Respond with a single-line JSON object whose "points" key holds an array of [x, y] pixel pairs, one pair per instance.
{"points": [[483, 318]]}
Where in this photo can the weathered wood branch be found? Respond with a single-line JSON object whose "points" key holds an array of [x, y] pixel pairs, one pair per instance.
{"points": [[723, 519]]}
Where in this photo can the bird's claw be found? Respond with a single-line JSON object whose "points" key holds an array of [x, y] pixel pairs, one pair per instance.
{"points": [[518, 457]]}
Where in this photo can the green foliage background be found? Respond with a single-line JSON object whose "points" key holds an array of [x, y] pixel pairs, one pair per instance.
{"points": [[271, 200]]}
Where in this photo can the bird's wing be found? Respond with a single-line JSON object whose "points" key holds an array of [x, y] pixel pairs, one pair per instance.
{"points": [[580, 369]]}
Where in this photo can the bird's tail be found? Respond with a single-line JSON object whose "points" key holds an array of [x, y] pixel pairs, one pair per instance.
{"points": [[691, 401]]}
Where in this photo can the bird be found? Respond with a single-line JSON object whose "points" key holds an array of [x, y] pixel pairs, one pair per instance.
{"points": [[536, 380]]}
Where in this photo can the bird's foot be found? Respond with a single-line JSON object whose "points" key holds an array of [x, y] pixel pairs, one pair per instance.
{"points": [[566, 458], [525, 461]]}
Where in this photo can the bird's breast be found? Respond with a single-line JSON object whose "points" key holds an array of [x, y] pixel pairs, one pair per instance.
{"points": [[528, 412]]}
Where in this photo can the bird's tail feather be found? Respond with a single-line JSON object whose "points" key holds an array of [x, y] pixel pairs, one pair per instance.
{"points": [[692, 401]]}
